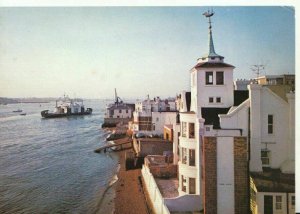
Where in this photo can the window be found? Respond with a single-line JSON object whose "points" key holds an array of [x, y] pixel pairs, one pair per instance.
{"points": [[192, 157], [192, 185], [270, 124], [211, 99], [191, 130], [183, 155], [207, 128], [209, 78], [183, 183], [126, 111], [278, 202], [220, 78], [120, 111], [265, 157], [218, 99], [157, 119], [183, 129], [293, 201]]}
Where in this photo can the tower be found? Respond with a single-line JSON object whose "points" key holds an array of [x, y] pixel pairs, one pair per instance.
{"points": [[211, 78]]}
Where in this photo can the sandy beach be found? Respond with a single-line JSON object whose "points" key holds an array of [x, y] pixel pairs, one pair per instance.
{"points": [[126, 195]]}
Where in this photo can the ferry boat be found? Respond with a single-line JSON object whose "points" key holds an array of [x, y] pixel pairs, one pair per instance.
{"points": [[19, 110], [67, 107]]}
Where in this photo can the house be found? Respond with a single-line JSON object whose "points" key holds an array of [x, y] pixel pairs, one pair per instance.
{"points": [[151, 115], [118, 112]]}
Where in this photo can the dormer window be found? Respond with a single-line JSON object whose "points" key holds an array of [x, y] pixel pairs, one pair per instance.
{"points": [[209, 78]]}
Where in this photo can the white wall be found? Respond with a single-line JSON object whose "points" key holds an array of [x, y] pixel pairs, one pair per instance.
{"points": [[159, 119], [260, 202], [203, 91], [189, 143], [123, 113], [225, 175], [153, 192], [263, 102], [236, 119]]}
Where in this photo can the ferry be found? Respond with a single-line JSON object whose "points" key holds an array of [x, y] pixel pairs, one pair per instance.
{"points": [[67, 107]]}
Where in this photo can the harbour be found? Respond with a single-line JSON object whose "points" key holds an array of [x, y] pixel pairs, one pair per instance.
{"points": [[50, 164]]}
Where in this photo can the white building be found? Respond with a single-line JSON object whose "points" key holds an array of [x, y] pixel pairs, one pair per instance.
{"points": [[152, 115], [234, 144]]}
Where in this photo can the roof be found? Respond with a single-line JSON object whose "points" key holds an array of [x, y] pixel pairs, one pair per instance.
{"points": [[213, 65], [240, 96], [211, 116], [273, 180]]}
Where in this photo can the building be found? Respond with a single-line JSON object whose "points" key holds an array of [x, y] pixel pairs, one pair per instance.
{"points": [[234, 148], [151, 115], [118, 112]]}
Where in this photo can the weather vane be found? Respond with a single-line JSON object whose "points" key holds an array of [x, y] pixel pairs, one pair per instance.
{"points": [[209, 14]]}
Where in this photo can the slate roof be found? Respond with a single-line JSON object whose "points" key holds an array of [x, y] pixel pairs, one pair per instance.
{"points": [[213, 65], [211, 116], [273, 180], [240, 96]]}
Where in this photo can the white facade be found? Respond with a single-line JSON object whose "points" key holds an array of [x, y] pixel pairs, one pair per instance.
{"points": [[264, 104], [201, 92], [159, 119], [188, 166], [281, 205]]}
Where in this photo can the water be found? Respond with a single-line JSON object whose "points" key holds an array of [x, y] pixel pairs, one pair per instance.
{"points": [[48, 165]]}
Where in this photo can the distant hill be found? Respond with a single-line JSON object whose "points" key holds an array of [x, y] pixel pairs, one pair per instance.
{"points": [[4, 101]]}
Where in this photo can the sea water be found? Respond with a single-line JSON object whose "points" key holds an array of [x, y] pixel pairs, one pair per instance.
{"points": [[49, 165]]}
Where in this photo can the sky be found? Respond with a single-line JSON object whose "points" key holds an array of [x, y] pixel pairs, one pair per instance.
{"points": [[89, 51]]}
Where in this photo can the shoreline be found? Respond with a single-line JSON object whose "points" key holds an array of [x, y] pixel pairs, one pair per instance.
{"points": [[129, 194], [124, 193]]}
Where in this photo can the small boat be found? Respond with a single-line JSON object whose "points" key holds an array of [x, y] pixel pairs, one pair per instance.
{"points": [[23, 114], [67, 107], [19, 110]]}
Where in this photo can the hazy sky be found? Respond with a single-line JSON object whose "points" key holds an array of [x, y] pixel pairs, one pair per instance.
{"points": [[89, 51]]}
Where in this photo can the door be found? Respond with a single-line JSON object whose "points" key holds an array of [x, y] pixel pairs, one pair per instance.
{"points": [[268, 204]]}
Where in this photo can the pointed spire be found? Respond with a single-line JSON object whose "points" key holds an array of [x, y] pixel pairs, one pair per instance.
{"points": [[211, 48]]}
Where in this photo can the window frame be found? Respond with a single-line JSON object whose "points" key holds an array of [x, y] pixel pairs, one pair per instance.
{"points": [[267, 157], [184, 155], [270, 124], [184, 129], [209, 78], [194, 186], [183, 183], [192, 161], [218, 82], [192, 130], [278, 203]]}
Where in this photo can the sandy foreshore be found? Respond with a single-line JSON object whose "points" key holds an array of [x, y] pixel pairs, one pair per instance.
{"points": [[126, 195], [129, 196]]}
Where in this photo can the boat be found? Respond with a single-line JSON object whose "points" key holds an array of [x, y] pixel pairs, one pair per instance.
{"points": [[66, 107], [19, 110], [23, 114]]}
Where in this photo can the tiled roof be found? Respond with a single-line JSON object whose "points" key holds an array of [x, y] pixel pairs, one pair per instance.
{"points": [[211, 116]]}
